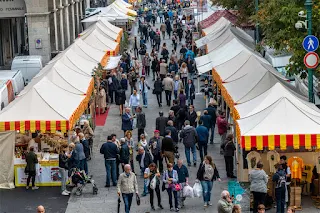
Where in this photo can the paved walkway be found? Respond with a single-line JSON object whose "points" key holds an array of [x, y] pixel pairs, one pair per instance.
{"points": [[106, 200]]}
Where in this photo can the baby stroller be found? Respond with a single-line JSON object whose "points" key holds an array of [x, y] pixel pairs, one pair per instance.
{"points": [[80, 179]]}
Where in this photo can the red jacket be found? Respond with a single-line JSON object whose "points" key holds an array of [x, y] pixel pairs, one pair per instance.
{"points": [[222, 125]]}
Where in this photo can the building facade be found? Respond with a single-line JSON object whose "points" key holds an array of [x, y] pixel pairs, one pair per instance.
{"points": [[38, 27]]}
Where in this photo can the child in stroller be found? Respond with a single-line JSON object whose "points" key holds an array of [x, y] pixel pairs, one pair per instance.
{"points": [[80, 179]]}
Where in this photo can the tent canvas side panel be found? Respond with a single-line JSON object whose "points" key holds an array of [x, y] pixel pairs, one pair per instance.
{"points": [[7, 144]]}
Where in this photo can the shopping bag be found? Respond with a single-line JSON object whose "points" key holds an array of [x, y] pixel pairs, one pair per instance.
{"points": [[187, 191], [197, 189], [134, 123], [153, 183]]}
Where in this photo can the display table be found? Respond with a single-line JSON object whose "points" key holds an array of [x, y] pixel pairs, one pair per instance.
{"points": [[47, 173]]}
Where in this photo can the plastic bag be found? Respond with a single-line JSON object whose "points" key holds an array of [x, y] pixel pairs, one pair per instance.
{"points": [[134, 123], [197, 189], [153, 183], [187, 191]]}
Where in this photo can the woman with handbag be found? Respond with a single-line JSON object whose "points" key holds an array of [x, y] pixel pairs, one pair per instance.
{"points": [[206, 174], [146, 61], [170, 180], [153, 175]]}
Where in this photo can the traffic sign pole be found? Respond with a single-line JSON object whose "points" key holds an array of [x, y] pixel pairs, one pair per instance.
{"points": [[308, 4]]}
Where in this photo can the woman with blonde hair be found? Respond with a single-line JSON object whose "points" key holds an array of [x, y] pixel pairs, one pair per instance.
{"points": [[184, 73], [236, 209], [206, 174], [130, 143]]}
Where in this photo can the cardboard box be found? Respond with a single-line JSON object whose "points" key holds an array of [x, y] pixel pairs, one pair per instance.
{"points": [[295, 190]]}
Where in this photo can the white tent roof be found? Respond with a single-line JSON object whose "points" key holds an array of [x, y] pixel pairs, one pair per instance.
{"points": [[123, 3], [124, 9], [113, 62], [98, 17], [278, 113], [278, 91], [97, 39], [223, 54], [222, 22], [250, 80], [101, 28], [110, 26], [45, 101]]}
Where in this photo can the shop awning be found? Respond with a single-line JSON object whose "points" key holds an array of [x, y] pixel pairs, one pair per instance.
{"points": [[278, 118], [221, 23]]}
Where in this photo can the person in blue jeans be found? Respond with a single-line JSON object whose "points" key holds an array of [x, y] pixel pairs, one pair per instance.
{"points": [[280, 188], [206, 174], [203, 135], [189, 137], [144, 87], [110, 152], [170, 179], [127, 186]]}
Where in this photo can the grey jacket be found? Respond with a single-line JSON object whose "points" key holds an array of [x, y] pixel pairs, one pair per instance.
{"points": [[127, 185], [189, 136], [168, 84], [80, 152], [224, 206], [141, 120], [258, 179]]}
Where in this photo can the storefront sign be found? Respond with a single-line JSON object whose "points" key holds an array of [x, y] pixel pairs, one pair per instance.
{"points": [[12, 8]]}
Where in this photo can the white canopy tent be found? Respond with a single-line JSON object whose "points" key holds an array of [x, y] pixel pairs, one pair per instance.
{"points": [[113, 63], [222, 22], [263, 101], [44, 101], [96, 38], [278, 114], [223, 54], [223, 36], [123, 3], [124, 9]]}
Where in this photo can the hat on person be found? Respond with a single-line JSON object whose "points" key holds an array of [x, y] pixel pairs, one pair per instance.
{"points": [[156, 131]]}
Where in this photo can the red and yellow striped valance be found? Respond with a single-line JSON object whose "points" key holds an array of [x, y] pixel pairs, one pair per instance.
{"points": [[32, 126], [283, 141]]}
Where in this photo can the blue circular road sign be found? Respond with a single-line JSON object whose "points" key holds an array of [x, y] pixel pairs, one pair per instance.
{"points": [[310, 43]]}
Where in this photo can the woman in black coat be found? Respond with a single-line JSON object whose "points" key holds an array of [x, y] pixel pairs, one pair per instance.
{"points": [[190, 92], [181, 116], [158, 88], [206, 174], [120, 99]]}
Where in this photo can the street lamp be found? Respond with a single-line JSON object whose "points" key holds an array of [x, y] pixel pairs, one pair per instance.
{"points": [[308, 4]]}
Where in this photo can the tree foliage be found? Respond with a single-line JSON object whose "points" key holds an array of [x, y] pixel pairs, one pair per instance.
{"points": [[277, 20]]}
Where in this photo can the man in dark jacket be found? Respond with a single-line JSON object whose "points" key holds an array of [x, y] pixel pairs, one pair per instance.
{"points": [[206, 119], [144, 158], [161, 123], [168, 148], [203, 135], [228, 148], [175, 108], [141, 121], [110, 152], [155, 144], [174, 132], [192, 116], [32, 160], [126, 120], [85, 144], [189, 137], [124, 153], [212, 111]]}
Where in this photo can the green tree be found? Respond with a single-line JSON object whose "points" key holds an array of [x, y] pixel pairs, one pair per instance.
{"points": [[277, 20]]}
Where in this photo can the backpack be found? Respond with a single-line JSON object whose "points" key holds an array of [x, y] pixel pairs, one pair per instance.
{"points": [[281, 181]]}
